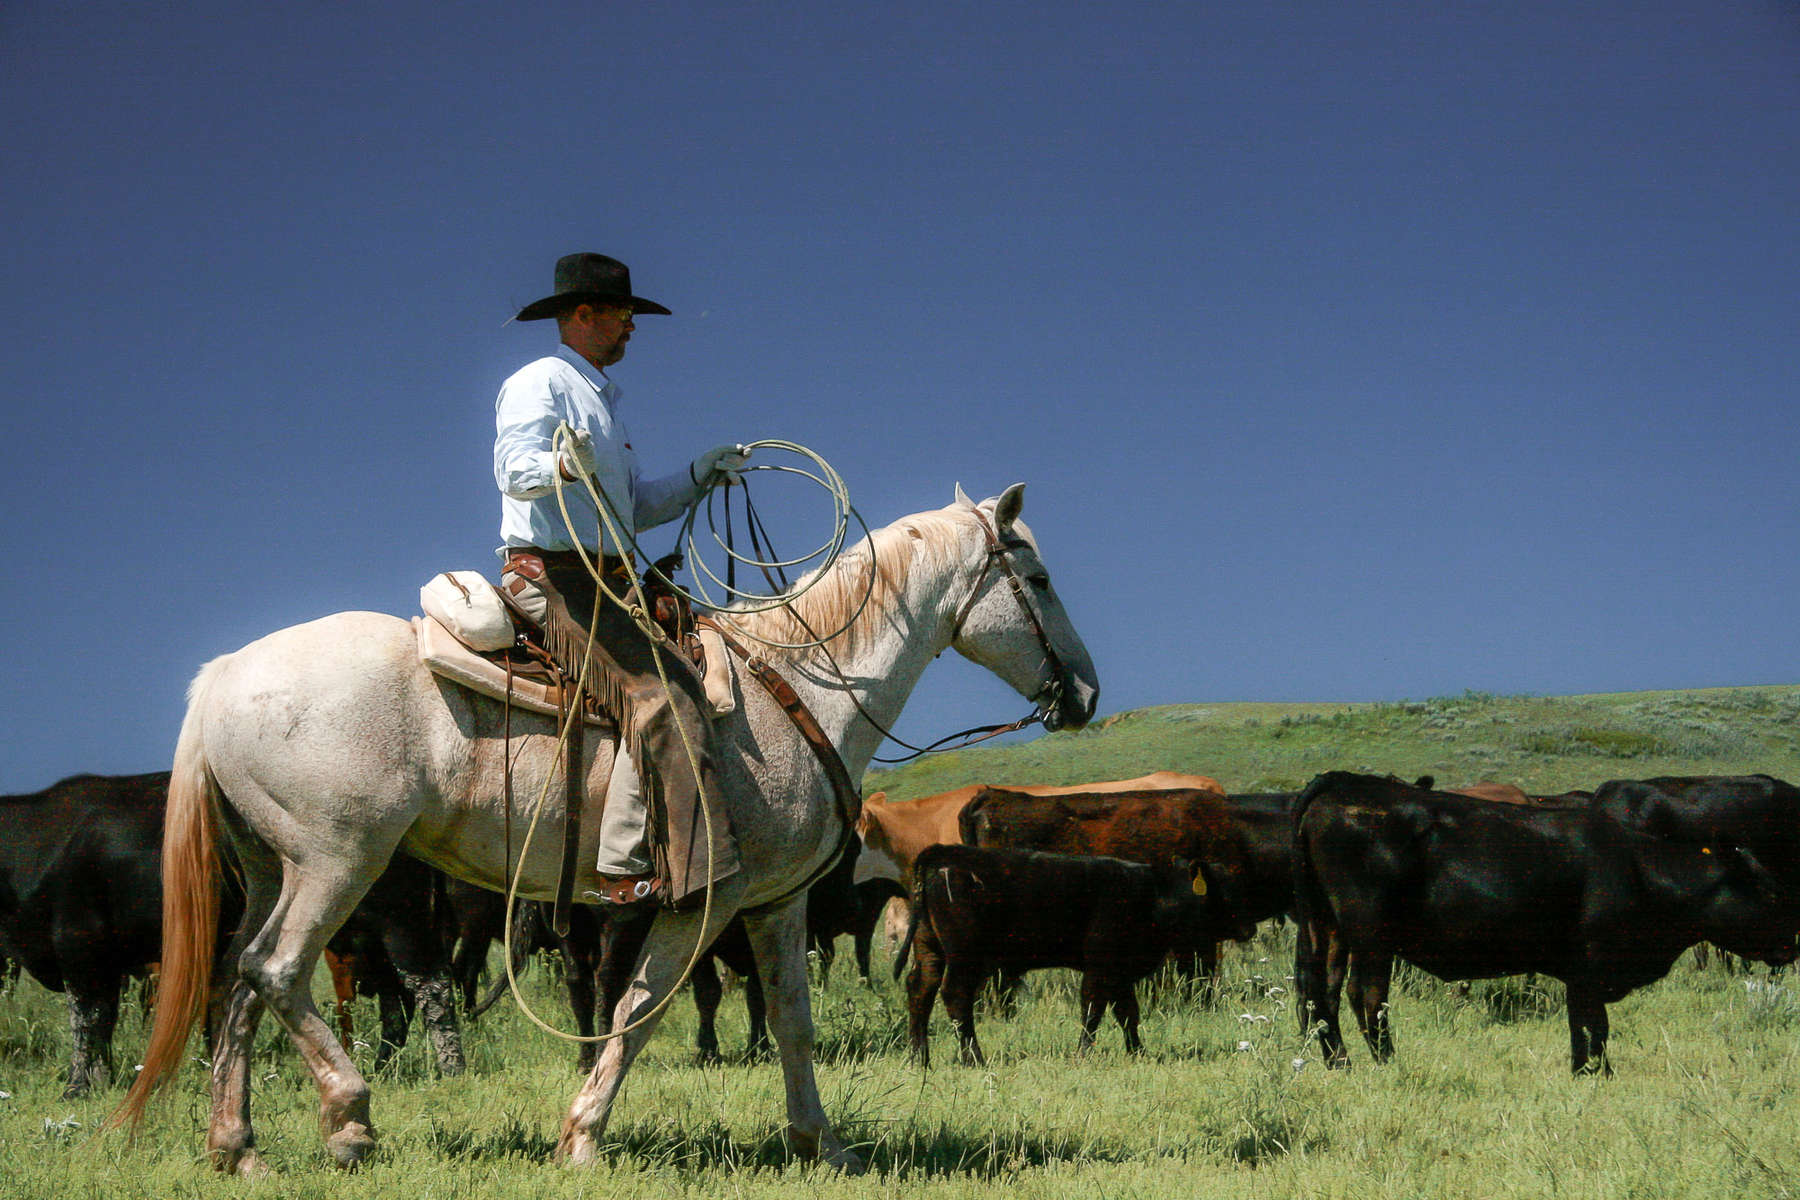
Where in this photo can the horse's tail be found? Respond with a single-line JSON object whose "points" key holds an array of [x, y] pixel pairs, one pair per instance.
{"points": [[190, 916]]}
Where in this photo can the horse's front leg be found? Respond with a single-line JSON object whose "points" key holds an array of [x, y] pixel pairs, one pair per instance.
{"points": [[667, 949], [778, 939]]}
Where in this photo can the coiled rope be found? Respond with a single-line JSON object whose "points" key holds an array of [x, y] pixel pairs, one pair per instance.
{"points": [[631, 599]]}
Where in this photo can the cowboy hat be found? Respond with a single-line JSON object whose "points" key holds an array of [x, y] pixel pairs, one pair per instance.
{"points": [[588, 279]]}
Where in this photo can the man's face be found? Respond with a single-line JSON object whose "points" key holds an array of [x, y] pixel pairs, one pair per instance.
{"points": [[598, 332]]}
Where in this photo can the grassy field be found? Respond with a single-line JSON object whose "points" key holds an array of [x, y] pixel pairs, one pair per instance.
{"points": [[1228, 1100]]}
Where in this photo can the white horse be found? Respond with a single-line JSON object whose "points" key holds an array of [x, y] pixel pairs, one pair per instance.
{"points": [[324, 748]]}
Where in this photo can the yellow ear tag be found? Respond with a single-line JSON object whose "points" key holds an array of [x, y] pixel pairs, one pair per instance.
{"points": [[1199, 885], [1706, 849]]}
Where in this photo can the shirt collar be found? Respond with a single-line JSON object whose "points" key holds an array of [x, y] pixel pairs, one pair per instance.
{"points": [[606, 387]]}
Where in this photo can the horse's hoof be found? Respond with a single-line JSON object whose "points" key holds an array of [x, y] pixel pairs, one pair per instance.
{"points": [[251, 1166], [351, 1145], [577, 1150], [245, 1163]]}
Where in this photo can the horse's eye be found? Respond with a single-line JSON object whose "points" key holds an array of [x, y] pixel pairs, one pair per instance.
{"points": [[1039, 581]]}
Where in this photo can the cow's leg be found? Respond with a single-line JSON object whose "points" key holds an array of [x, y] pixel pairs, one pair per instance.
{"points": [[1588, 1030], [1125, 1011], [962, 983], [667, 946], [922, 983], [1319, 958], [395, 1004], [93, 1012], [1370, 976], [342, 968], [896, 915], [756, 1008], [580, 979], [1093, 1009], [778, 939], [606, 949], [707, 994], [871, 902], [423, 977]]}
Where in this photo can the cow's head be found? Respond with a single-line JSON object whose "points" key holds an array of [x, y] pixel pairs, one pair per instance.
{"points": [[1197, 903], [1743, 908]]}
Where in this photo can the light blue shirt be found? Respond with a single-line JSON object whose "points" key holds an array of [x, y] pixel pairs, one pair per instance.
{"points": [[540, 395]]}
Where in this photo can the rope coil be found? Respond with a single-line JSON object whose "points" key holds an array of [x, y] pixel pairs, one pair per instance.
{"points": [[631, 599]]}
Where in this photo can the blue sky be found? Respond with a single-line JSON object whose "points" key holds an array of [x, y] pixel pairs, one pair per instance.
{"points": [[1349, 351]]}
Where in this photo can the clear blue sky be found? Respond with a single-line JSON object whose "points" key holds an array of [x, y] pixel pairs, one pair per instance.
{"points": [[1350, 351]]}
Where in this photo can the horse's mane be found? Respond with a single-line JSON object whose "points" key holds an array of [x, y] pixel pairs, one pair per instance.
{"points": [[838, 599]]}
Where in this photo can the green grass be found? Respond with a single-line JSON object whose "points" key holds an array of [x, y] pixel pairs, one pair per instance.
{"points": [[1227, 1101]]}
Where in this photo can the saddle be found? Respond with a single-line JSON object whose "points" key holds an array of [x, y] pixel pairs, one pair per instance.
{"points": [[471, 635]]}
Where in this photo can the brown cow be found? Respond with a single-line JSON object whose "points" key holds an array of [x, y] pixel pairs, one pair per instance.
{"points": [[894, 834], [1146, 826], [1507, 793]]}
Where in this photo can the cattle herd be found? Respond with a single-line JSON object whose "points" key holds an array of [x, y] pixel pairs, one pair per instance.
{"points": [[1602, 890]]}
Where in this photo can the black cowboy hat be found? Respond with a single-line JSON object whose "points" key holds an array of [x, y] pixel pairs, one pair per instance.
{"points": [[588, 279]]}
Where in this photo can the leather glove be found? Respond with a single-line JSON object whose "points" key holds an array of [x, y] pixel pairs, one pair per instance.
{"points": [[577, 459], [720, 460]]}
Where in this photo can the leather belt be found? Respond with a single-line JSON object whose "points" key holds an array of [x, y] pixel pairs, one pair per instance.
{"points": [[610, 564]]}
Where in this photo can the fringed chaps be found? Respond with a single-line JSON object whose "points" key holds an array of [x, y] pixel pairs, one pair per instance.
{"points": [[622, 681]]}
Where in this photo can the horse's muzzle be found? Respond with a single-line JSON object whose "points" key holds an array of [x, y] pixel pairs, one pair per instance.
{"points": [[1068, 705]]}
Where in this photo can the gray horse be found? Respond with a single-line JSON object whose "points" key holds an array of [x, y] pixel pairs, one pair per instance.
{"points": [[322, 749]]}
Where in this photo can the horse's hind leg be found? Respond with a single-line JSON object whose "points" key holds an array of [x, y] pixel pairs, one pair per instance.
{"points": [[315, 900], [230, 1140], [665, 954], [778, 938]]}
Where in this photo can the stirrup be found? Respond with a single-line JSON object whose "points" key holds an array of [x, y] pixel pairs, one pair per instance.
{"points": [[628, 891]]}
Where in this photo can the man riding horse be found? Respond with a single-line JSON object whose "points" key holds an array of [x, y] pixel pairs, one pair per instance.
{"points": [[653, 840]]}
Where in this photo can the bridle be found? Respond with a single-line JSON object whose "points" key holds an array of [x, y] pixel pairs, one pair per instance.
{"points": [[1047, 697], [997, 553]]}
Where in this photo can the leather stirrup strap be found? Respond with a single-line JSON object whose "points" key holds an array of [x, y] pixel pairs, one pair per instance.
{"points": [[574, 788]]}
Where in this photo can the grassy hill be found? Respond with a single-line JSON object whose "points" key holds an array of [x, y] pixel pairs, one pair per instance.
{"points": [[1542, 743]]}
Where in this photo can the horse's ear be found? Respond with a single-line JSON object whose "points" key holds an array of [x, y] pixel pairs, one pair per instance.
{"points": [[962, 498], [1006, 509]]}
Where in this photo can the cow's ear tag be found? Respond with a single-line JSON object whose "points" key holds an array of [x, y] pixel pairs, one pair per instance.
{"points": [[1706, 849], [1199, 884]]}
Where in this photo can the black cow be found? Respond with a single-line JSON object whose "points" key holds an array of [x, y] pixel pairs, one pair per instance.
{"points": [[1757, 811], [978, 911], [1468, 889], [81, 903], [81, 899], [393, 945], [473, 920], [1265, 822]]}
